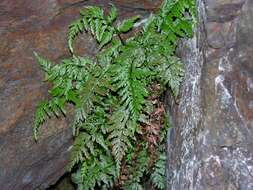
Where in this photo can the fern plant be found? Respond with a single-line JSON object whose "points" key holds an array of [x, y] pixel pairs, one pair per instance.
{"points": [[118, 127]]}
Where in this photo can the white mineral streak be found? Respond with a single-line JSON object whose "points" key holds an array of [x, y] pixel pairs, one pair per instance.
{"points": [[141, 22], [213, 158], [69, 149], [220, 89], [238, 111], [202, 137], [27, 178], [138, 24], [251, 104], [249, 84], [222, 92], [224, 64]]}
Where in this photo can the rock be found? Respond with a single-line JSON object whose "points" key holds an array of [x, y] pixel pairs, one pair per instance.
{"points": [[64, 183], [27, 26], [210, 145]]}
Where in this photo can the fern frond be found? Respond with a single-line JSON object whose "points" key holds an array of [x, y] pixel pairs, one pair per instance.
{"points": [[90, 91], [92, 12], [106, 56], [44, 64], [40, 117], [112, 15], [132, 93], [93, 20], [133, 186], [68, 77], [46, 109], [173, 19], [127, 24], [75, 28], [77, 151], [131, 90], [158, 175], [137, 169], [171, 72], [87, 143], [101, 171], [120, 136]]}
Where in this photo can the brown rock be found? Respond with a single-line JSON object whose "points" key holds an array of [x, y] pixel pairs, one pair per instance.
{"points": [[27, 26]]}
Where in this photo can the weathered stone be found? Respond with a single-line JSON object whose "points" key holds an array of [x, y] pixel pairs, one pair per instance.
{"points": [[211, 143], [27, 26]]}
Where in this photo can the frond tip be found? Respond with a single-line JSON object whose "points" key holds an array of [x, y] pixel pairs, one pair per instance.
{"points": [[45, 110], [75, 28], [45, 64], [39, 117]]}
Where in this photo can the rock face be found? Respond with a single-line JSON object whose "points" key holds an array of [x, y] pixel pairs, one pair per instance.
{"points": [[211, 143], [27, 26]]}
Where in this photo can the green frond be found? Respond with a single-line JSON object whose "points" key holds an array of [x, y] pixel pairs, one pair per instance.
{"points": [[92, 12], [74, 29], [40, 117], [112, 15], [45, 110], [133, 186], [87, 143], [132, 93], [93, 20], [158, 175], [68, 77], [173, 19], [44, 64], [101, 171], [137, 169], [132, 90], [78, 151], [120, 136], [107, 55], [127, 24], [171, 72], [90, 91]]}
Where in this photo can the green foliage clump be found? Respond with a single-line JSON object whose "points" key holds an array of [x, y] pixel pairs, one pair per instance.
{"points": [[118, 143]]}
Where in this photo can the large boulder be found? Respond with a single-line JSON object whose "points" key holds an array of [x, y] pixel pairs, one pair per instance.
{"points": [[210, 145], [27, 26]]}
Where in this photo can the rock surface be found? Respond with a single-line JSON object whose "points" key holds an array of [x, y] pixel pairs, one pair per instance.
{"points": [[27, 26], [211, 143]]}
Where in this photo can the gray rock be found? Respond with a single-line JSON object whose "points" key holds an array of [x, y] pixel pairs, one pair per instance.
{"points": [[212, 143]]}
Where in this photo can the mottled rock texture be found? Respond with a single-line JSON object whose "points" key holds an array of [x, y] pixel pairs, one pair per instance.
{"points": [[27, 26], [211, 143]]}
